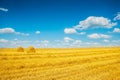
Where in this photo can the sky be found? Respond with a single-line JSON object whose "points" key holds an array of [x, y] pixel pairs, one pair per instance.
{"points": [[59, 23]]}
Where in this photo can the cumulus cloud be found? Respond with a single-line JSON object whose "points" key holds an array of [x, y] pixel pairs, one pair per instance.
{"points": [[82, 33], [45, 42], [77, 42], [16, 42], [3, 9], [70, 31], [25, 43], [68, 39], [116, 41], [116, 30], [95, 22], [57, 40], [117, 17], [97, 36], [23, 34], [37, 32], [11, 31], [15, 39], [105, 40], [37, 41], [22, 41], [3, 41], [92, 43], [7, 30]]}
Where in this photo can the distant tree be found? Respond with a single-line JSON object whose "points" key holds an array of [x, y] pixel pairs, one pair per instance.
{"points": [[31, 49], [20, 49]]}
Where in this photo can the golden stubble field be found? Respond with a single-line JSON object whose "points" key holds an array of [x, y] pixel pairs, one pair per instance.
{"points": [[60, 64]]}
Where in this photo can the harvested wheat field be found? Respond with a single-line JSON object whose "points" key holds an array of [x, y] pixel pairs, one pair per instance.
{"points": [[60, 64]]}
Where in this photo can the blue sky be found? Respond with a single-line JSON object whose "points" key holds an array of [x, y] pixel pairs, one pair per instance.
{"points": [[59, 23]]}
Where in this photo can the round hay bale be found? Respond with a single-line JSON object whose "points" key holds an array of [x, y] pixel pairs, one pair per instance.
{"points": [[31, 49], [20, 49]]}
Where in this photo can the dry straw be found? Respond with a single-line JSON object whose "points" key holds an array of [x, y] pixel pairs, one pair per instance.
{"points": [[31, 49], [20, 49]]}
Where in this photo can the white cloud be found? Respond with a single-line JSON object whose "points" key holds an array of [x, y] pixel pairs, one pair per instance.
{"points": [[116, 30], [82, 33], [57, 40], [96, 36], [3, 41], [105, 40], [23, 34], [70, 31], [3, 9], [16, 43], [37, 41], [27, 34], [22, 41], [45, 42], [68, 39], [105, 36], [116, 41], [37, 32], [7, 30], [117, 17], [92, 43], [11, 31], [15, 39], [77, 42], [38, 45], [95, 22]]}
